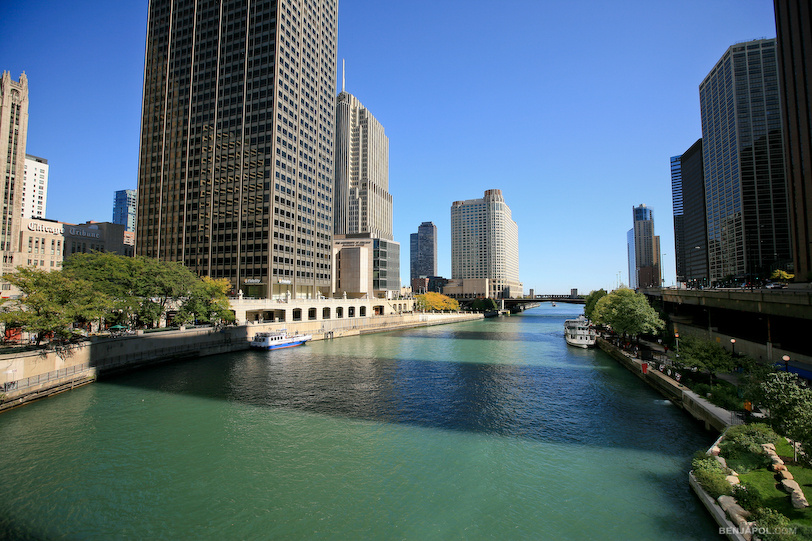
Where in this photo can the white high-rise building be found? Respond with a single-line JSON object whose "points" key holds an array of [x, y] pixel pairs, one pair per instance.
{"points": [[362, 200], [484, 247], [35, 187]]}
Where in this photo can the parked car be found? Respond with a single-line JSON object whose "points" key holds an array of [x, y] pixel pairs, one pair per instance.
{"points": [[776, 285]]}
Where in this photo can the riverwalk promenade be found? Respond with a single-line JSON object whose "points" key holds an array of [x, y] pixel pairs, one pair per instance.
{"points": [[698, 407], [30, 375]]}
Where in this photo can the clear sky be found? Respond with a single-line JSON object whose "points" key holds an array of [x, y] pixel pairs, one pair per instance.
{"points": [[573, 109]]}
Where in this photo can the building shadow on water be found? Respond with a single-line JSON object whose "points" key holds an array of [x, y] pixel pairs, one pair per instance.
{"points": [[563, 404]]}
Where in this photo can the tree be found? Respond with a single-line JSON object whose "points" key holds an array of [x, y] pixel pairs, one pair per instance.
{"points": [[705, 355], [627, 312], [51, 302], [436, 301], [782, 275], [208, 302], [484, 305], [790, 407], [139, 286], [592, 300]]}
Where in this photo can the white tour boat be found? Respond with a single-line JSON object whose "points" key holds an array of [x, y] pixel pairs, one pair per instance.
{"points": [[278, 340], [580, 332]]}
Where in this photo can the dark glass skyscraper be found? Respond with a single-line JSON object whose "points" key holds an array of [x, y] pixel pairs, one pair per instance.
{"points": [[690, 230], [793, 21], [423, 251], [745, 184], [677, 205], [237, 134]]}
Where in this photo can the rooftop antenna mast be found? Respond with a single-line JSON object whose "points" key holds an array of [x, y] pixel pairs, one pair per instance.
{"points": [[342, 75]]}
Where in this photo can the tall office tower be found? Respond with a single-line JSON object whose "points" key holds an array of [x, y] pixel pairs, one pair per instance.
{"points": [[236, 161], [646, 249], [362, 200], [423, 251], [742, 148], [692, 250], [124, 206], [485, 244], [631, 257], [13, 134], [35, 187], [793, 22], [677, 205]]}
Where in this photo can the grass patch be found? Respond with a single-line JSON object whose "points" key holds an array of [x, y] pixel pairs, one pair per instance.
{"points": [[777, 499]]}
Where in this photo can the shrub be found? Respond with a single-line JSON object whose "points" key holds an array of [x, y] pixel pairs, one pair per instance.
{"points": [[742, 446], [711, 476], [772, 525], [748, 496]]}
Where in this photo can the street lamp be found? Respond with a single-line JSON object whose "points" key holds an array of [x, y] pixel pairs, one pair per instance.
{"points": [[786, 362], [676, 335], [733, 346]]}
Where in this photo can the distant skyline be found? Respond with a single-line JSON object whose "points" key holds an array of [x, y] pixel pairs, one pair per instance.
{"points": [[572, 109]]}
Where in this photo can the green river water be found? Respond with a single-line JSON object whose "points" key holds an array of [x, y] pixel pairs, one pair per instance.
{"points": [[490, 429]]}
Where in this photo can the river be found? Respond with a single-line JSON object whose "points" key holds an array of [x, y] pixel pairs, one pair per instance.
{"points": [[491, 429]]}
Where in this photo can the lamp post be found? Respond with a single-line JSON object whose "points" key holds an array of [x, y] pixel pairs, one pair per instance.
{"points": [[733, 346], [786, 362], [676, 335]]}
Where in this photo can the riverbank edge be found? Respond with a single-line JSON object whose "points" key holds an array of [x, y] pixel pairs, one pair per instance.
{"points": [[713, 417], [46, 373], [694, 405]]}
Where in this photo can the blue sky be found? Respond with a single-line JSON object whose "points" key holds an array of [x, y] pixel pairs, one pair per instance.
{"points": [[573, 109]]}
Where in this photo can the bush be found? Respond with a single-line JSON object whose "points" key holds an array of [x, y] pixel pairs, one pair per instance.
{"points": [[742, 446], [711, 476], [748, 496], [773, 526]]}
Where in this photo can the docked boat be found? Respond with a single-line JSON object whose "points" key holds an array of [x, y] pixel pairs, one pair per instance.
{"points": [[278, 340], [580, 332]]}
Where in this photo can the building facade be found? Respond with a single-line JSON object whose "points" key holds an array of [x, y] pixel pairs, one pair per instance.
{"points": [[485, 246], [423, 251], [692, 249], [124, 206], [793, 22], [236, 165], [679, 227], [13, 136], [35, 187], [365, 266], [646, 249], [363, 203], [743, 161]]}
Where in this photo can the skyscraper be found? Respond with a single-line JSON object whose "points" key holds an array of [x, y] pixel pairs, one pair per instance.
{"points": [[691, 244], [13, 134], [679, 227], [793, 22], [743, 159], [423, 251], [646, 250], [35, 187], [362, 200], [237, 157], [124, 207], [485, 245]]}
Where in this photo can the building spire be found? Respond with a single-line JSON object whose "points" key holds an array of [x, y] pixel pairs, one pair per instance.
{"points": [[342, 75]]}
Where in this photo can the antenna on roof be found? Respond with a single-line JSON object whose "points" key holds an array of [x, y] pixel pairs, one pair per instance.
{"points": [[342, 75]]}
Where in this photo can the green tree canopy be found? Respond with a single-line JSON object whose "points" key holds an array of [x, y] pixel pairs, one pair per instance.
{"points": [[51, 302], [139, 286], [484, 305], [705, 355], [790, 407], [436, 301], [592, 300], [783, 275], [627, 312], [208, 302]]}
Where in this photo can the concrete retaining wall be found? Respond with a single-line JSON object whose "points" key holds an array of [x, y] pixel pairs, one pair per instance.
{"points": [[712, 416]]}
